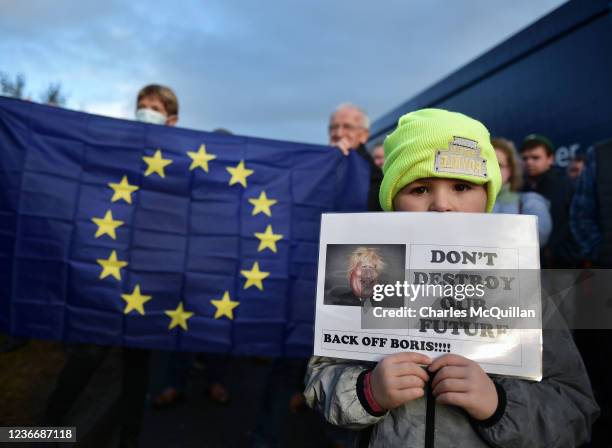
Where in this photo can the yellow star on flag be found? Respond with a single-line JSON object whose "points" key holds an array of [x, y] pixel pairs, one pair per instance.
{"points": [[122, 190], [239, 174], [200, 158], [107, 225], [254, 277], [268, 239], [179, 317], [262, 204], [135, 301], [225, 306], [156, 164], [111, 266]]}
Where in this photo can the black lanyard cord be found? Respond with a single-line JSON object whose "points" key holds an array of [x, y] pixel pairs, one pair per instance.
{"points": [[430, 416]]}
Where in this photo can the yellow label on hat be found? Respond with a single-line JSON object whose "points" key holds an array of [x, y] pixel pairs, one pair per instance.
{"points": [[461, 157]]}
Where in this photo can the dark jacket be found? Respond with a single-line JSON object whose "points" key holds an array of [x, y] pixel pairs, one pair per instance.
{"points": [[561, 250], [376, 176], [604, 199]]}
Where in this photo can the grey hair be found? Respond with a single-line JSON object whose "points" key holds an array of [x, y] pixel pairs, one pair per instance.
{"points": [[365, 121]]}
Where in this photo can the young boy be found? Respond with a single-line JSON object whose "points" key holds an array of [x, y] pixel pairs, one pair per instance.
{"points": [[387, 400]]}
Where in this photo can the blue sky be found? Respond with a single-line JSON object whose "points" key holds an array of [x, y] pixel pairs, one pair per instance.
{"points": [[270, 69]]}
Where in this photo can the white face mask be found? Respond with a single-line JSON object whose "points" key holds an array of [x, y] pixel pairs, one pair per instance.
{"points": [[150, 116]]}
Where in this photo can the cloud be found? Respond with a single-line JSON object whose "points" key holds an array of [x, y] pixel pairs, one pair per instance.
{"points": [[116, 109], [273, 69]]}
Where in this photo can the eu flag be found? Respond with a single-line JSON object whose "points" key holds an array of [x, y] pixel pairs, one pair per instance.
{"points": [[123, 233]]}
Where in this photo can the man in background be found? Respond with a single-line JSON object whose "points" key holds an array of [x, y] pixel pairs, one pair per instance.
{"points": [[575, 167], [379, 155], [538, 157], [349, 129], [591, 224]]}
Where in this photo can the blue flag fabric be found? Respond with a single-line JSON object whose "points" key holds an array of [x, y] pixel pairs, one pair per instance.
{"points": [[123, 233]]}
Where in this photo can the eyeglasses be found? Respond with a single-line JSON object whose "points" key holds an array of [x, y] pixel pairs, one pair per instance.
{"points": [[345, 126]]}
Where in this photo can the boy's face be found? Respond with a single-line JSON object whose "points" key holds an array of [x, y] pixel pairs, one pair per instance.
{"points": [[154, 103], [441, 195]]}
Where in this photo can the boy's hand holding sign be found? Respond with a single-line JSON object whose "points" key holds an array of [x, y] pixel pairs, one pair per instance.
{"points": [[462, 284]]}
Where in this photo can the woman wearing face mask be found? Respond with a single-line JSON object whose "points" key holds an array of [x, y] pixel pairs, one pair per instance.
{"points": [[157, 105], [510, 200]]}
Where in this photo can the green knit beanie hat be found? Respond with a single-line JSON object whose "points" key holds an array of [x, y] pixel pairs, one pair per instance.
{"points": [[438, 143]]}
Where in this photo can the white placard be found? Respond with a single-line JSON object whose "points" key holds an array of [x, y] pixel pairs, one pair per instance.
{"points": [[377, 293]]}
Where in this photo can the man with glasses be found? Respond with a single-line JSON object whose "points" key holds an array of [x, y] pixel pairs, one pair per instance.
{"points": [[349, 131]]}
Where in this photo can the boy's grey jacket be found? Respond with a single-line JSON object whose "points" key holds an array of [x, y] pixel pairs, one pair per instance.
{"points": [[556, 412]]}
